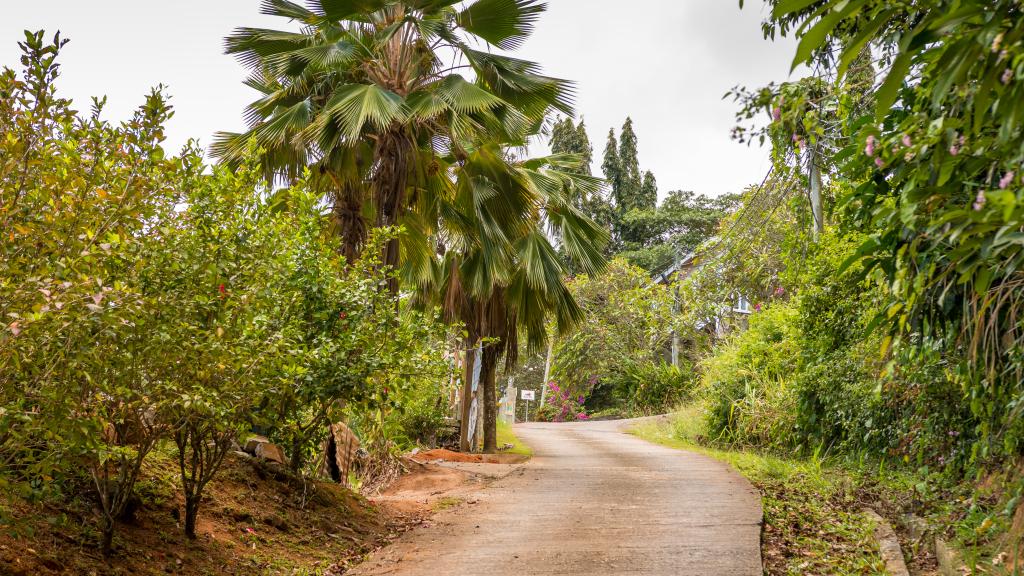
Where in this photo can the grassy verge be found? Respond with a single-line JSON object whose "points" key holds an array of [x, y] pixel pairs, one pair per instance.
{"points": [[813, 519], [507, 436]]}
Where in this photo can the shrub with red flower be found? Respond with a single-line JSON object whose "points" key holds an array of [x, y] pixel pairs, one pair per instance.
{"points": [[561, 406]]}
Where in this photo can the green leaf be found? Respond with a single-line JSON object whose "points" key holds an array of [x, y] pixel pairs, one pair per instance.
{"points": [[786, 7], [503, 23], [887, 92], [817, 36]]}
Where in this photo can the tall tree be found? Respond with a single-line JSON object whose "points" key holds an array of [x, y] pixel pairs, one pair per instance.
{"points": [[611, 166], [365, 93], [568, 138], [501, 282], [628, 193], [648, 197]]}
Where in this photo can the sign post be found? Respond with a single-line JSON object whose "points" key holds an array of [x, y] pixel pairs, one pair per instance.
{"points": [[527, 395]]}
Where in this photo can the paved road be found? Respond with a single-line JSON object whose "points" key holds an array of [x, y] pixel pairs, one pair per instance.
{"points": [[596, 501]]}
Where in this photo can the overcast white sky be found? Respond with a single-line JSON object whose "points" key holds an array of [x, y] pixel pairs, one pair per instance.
{"points": [[666, 63]]}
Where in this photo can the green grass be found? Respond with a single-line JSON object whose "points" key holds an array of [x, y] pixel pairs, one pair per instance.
{"points": [[446, 503], [813, 514], [507, 436]]}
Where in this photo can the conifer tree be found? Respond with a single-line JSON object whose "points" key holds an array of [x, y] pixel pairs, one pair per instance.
{"points": [[628, 192], [568, 138], [648, 198], [611, 166]]}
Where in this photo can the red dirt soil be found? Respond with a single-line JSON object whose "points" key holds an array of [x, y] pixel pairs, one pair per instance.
{"points": [[450, 456]]}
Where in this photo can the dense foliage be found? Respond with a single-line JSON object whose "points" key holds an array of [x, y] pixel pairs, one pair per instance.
{"points": [[934, 180], [149, 299]]}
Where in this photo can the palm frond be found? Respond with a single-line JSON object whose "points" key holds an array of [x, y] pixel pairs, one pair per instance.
{"points": [[251, 46], [286, 9], [503, 23], [354, 108]]}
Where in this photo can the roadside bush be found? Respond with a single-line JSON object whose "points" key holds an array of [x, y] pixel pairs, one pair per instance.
{"points": [[745, 383], [561, 406], [626, 318], [645, 388], [149, 299]]}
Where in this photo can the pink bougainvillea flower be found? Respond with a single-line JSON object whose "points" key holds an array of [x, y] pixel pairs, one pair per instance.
{"points": [[1006, 180], [869, 147], [979, 200]]}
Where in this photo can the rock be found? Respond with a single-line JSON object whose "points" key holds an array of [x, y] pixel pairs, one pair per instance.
{"points": [[253, 442], [240, 454], [917, 527], [949, 559], [271, 452]]}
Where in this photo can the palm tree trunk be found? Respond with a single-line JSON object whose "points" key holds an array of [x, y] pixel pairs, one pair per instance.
{"points": [[488, 374], [393, 160], [348, 218]]}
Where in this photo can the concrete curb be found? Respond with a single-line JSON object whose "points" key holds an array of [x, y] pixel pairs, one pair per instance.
{"points": [[888, 544]]}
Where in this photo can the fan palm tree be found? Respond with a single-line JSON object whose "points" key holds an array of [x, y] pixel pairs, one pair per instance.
{"points": [[502, 282], [368, 94]]}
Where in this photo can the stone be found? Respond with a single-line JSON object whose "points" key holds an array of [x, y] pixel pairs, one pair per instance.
{"points": [[271, 452], [949, 559], [917, 527], [253, 442]]}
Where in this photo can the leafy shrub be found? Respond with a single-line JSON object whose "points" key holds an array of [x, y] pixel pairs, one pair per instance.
{"points": [[627, 317], [744, 383], [561, 405], [148, 298], [646, 387]]}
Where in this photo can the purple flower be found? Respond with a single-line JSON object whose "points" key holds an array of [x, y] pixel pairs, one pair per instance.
{"points": [[757, 307], [780, 291], [879, 162], [777, 114], [1007, 76], [581, 400], [869, 148], [582, 416], [979, 201], [1006, 180], [954, 149], [907, 141]]}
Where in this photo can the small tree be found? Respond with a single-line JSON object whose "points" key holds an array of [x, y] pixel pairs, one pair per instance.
{"points": [[204, 428]]}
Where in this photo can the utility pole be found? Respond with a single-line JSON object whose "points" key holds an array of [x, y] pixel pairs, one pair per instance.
{"points": [[814, 176]]}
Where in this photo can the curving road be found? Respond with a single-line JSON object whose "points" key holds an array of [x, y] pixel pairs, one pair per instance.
{"points": [[596, 501]]}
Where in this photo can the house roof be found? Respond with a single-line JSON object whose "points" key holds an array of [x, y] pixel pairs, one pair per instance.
{"points": [[690, 259]]}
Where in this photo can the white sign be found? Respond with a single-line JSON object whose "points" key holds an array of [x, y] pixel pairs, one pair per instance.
{"points": [[526, 394]]}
